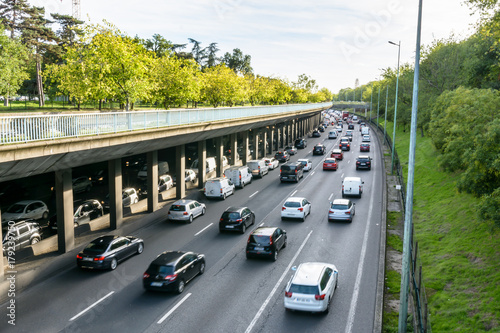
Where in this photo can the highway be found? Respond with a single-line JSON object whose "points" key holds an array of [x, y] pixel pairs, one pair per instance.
{"points": [[234, 294]]}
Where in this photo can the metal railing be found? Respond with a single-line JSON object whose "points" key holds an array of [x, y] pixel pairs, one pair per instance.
{"points": [[21, 129]]}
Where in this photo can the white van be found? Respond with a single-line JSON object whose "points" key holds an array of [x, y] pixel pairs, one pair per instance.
{"points": [[162, 169], [352, 186], [239, 175], [365, 130], [354, 118], [219, 187], [258, 168], [209, 163]]}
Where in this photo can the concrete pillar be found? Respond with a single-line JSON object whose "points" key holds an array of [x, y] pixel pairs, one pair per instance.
{"points": [[219, 152], [271, 140], [277, 136], [234, 148], [115, 193], [1, 252], [180, 171], [283, 134], [288, 133], [202, 161], [64, 208], [244, 158], [152, 181], [264, 142], [255, 134]]}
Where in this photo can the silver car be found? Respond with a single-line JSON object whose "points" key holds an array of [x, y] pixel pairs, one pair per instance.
{"points": [[26, 209], [186, 210], [341, 209]]}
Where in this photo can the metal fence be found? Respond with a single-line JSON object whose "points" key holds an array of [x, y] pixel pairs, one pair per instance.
{"points": [[20, 129]]}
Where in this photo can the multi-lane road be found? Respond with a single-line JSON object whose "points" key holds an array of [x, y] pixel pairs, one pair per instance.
{"points": [[234, 294]]}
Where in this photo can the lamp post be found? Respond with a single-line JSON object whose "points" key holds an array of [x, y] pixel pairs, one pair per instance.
{"points": [[371, 103], [395, 109], [378, 104], [385, 119]]}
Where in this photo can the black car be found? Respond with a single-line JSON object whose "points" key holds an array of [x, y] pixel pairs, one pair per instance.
{"points": [[364, 162], [300, 143], [266, 242], [350, 126], [316, 134], [282, 156], [321, 129], [18, 235], [106, 252], [171, 270], [237, 219], [319, 149]]}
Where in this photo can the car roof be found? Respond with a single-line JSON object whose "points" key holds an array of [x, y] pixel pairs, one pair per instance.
{"points": [[169, 257], [309, 273], [356, 179], [341, 202], [26, 202], [330, 159], [183, 202], [264, 231], [234, 209], [303, 159], [105, 239], [364, 156], [295, 199]]}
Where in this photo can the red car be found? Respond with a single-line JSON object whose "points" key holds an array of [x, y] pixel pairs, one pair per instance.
{"points": [[364, 147], [337, 154], [330, 164]]}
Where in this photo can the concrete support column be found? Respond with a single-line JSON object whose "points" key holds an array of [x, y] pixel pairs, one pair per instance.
{"points": [[202, 161], [244, 158], [283, 134], [288, 133], [264, 142], [255, 134], [64, 208], [152, 185], [277, 136], [1, 252], [115, 193], [180, 170], [234, 148], [219, 152], [271, 140]]}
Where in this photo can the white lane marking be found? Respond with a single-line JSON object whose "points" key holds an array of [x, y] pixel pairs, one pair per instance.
{"points": [[92, 305], [199, 232], [312, 173], [263, 307], [173, 309], [310, 151], [355, 294], [330, 197], [260, 225], [342, 176], [293, 193], [253, 194]]}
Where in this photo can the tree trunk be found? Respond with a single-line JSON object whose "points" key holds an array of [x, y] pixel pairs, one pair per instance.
{"points": [[100, 105], [6, 100], [39, 83]]}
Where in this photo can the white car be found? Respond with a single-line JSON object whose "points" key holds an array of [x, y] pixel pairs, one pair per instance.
{"points": [[306, 163], [186, 210], [366, 138], [296, 208], [129, 196], [271, 162], [332, 134], [26, 209], [311, 287]]}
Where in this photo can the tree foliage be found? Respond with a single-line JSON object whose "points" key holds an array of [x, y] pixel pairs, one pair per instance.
{"points": [[13, 65]]}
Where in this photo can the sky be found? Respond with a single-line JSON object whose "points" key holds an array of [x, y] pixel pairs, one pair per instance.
{"points": [[334, 42]]}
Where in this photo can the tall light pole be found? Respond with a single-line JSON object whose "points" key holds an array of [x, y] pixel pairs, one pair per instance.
{"points": [[395, 109], [371, 103], [378, 104], [385, 119]]}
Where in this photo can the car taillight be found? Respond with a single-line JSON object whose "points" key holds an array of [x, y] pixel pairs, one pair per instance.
{"points": [[331, 211], [171, 277], [271, 240], [283, 208], [359, 188], [288, 294], [204, 189], [348, 212], [342, 187], [248, 241], [239, 220], [145, 275], [221, 190], [185, 213], [240, 177], [221, 219], [319, 297], [101, 258], [301, 209], [295, 171], [78, 256], [358, 162]]}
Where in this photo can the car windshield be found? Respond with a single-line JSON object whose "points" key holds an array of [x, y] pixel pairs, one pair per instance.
{"points": [[160, 269], [96, 248], [339, 206], [329, 161], [178, 208], [260, 239], [303, 162], [16, 208], [287, 170], [318, 147], [301, 289], [230, 215], [292, 204]]}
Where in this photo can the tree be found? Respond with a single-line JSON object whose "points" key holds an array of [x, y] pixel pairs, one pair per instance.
{"points": [[12, 14], [159, 45], [13, 66], [221, 84], [211, 52], [238, 62], [258, 89], [197, 52]]}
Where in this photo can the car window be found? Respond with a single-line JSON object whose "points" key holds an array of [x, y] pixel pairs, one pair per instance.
{"points": [[324, 280], [292, 204], [192, 206], [231, 215], [97, 247], [23, 229], [340, 207], [197, 204], [260, 239], [178, 208], [301, 289], [119, 243]]}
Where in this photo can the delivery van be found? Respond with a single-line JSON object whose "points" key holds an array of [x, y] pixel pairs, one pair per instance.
{"points": [[239, 175], [365, 130], [162, 169], [352, 186], [219, 187]]}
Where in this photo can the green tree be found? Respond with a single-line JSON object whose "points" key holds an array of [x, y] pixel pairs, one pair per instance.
{"points": [[240, 63], [221, 84], [258, 89], [159, 45], [13, 65], [12, 15]]}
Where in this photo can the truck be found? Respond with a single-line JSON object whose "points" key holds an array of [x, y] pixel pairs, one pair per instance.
{"points": [[345, 115]]}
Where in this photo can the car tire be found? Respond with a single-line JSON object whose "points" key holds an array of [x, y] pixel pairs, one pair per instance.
{"points": [[45, 215], [242, 184], [140, 248], [190, 219], [113, 264], [243, 228], [284, 244], [275, 255], [202, 268], [327, 306], [304, 218], [136, 200], [75, 224], [203, 211], [180, 286], [34, 240], [224, 196]]}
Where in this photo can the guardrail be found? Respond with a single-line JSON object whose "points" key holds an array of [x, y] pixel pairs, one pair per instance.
{"points": [[22, 129]]}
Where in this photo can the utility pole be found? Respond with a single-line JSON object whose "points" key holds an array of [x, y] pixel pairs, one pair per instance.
{"points": [[395, 110], [385, 119]]}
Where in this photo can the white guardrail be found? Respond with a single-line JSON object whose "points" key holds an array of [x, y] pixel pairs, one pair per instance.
{"points": [[21, 129]]}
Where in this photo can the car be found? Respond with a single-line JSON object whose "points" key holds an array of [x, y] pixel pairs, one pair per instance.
{"points": [[350, 126], [186, 210], [26, 209], [319, 149], [363, 162], [86, 211], [311, 287], [258, 168], [364, 146], [291, 171], [106, 252], [348, 134], [366, 138], [82, 184], [236, 219], [171, 270], [271, 163], [330, 164], [339, 128], [282, 156], [129, 197], [300, 143], [295, 208], [352, 186], [20, 234], [361, 126], [316, 134], [332, 134], [338, 154], [321, 128], [344, 143], [292, 150], [306, 163], [219, 187], [341, 209], [100, 177], [189, 176], [266, 241], [165, 183]]}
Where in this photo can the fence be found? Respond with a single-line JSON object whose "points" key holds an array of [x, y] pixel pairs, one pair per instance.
{"points": [[19, 129]]}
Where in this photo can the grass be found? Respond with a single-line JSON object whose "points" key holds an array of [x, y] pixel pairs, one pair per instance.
{"points": [[460, 255]]}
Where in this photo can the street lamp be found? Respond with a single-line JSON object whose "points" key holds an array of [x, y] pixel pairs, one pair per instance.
{"points": [[395, 109]]}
